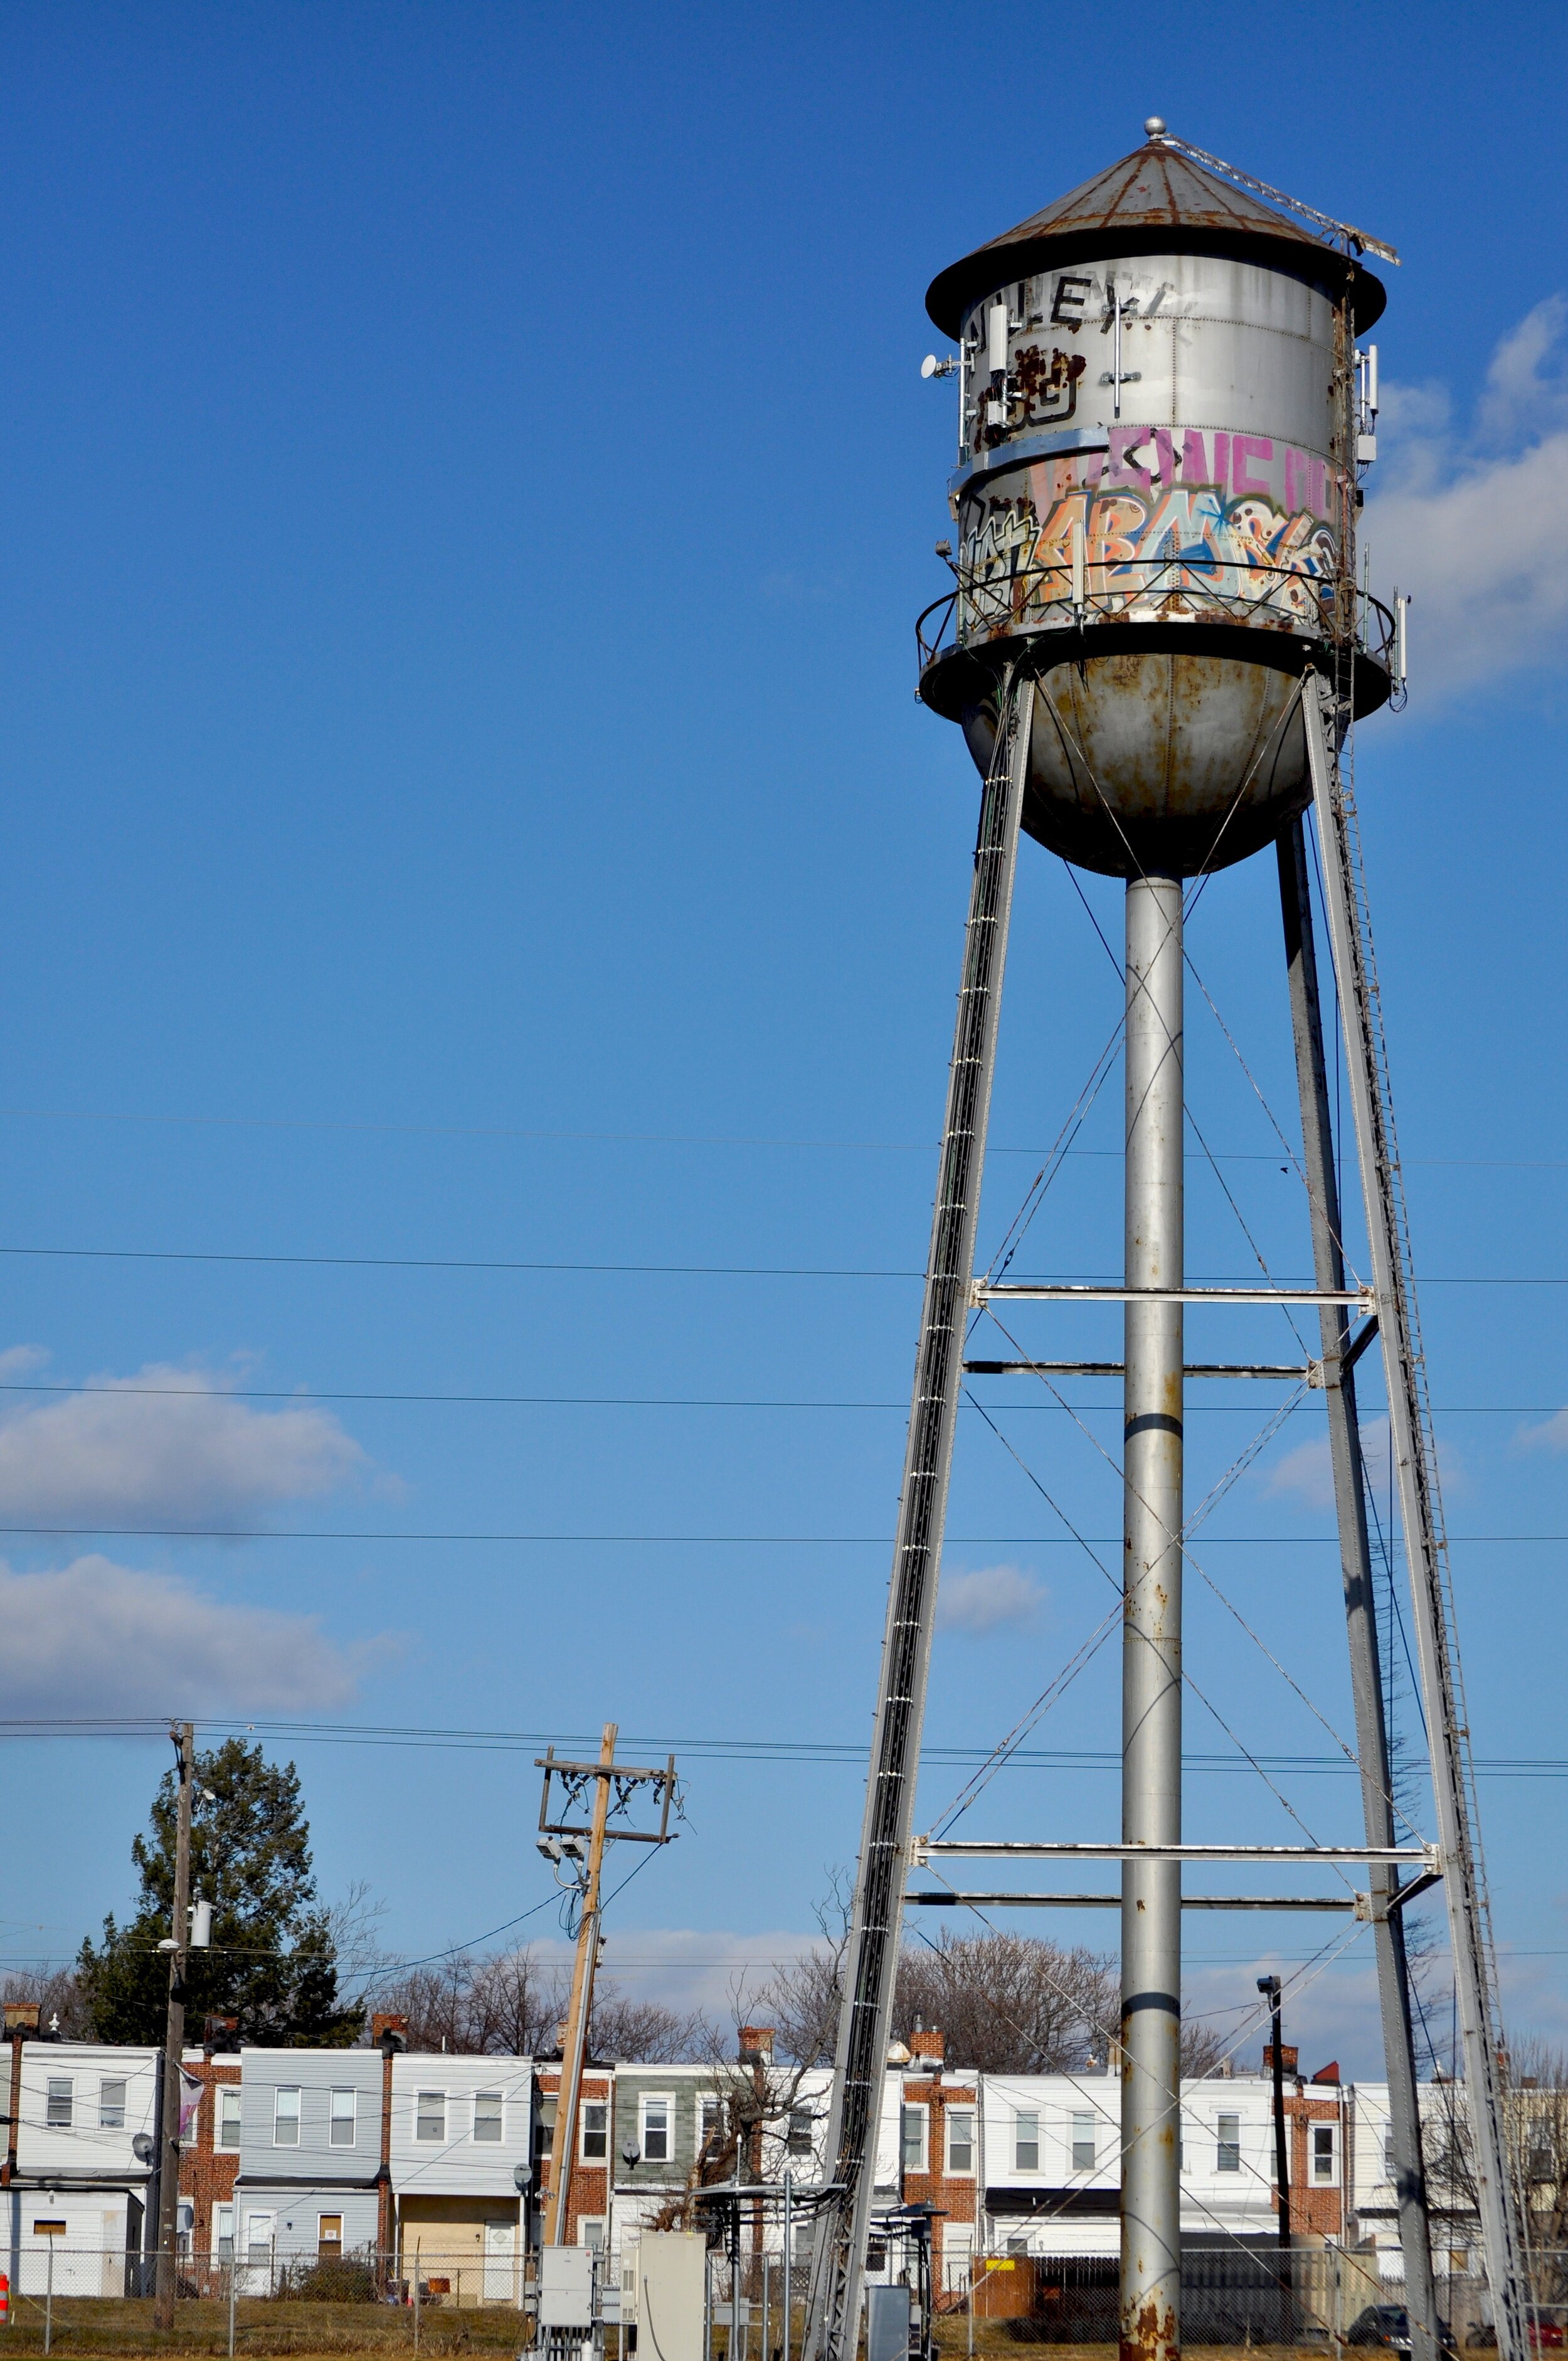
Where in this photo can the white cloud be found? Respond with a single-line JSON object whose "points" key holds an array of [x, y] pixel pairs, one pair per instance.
{"points": [[1306, 1473], [987, 1599], [1475, 524], [20, 1360], [166, 1447], [98, 1637], [1551, 1435]]}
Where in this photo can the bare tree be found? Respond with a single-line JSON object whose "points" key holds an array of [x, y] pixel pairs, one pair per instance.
{"points": [[1010, 2004], [58, 1996], [1535, 2118], [511, 2003]]}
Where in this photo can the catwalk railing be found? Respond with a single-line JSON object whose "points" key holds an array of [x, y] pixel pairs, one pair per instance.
{"points": [[1184, 586]]}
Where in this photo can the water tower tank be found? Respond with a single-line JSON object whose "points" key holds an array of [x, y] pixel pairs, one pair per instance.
{"points": [[1154, 504]]}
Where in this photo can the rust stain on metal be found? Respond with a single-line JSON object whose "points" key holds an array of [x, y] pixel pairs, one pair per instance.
{"points": [[1151, 2334]]}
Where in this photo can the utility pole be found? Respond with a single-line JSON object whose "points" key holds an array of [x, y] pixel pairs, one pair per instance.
{"points": [[1270, 1988], [562, 1841], [182, 1738]]}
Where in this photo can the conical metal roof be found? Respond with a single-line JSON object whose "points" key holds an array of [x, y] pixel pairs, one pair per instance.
{"points": [[1155, 193]]}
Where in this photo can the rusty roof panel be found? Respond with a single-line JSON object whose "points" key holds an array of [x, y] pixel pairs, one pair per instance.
{"points": [[1153, 189]]}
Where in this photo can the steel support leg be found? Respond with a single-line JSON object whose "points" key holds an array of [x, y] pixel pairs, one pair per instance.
{"points": [[871, 1966], [1151, 1658], [1420, 1511], [1356, 1560]]}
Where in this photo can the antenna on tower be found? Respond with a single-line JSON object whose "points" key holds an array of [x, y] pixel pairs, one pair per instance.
{"points": [[1353, 240]]}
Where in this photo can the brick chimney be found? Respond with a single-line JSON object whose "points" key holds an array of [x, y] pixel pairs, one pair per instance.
{"points": [[756, 2044], [927, 2043], [1289, 2057]]}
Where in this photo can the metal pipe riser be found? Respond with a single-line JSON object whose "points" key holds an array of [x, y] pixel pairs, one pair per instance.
{"points": [[1151, 1650]]}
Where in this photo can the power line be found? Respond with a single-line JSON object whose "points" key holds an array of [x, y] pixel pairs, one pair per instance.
{"points": [[303, 1399], [682, 1541], [665, 1139], [480, 1263]]}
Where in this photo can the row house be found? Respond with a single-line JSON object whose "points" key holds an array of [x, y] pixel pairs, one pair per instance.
{"points": [[80, 2179]]}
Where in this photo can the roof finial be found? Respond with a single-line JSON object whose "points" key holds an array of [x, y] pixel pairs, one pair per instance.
{"points": [[1155, 126]]}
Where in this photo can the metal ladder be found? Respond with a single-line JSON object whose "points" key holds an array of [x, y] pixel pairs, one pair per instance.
{"points": [[871, 1966], [1413, 1443]]}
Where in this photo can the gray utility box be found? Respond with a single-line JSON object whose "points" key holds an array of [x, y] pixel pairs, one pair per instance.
{"points": [[567, 2287], [672, 2295], [887, 2323]]}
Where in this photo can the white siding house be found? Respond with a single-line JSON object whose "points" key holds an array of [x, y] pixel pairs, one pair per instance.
{"points": [[82, 2191]]}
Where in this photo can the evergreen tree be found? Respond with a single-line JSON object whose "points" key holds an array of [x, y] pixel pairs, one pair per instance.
{"points": [[273, 1962]]}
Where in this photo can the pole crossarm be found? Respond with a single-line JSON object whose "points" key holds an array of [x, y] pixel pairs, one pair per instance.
{"points": [[1362, 1299], [1303, 1372], [950, 1899], [948, 1849]]}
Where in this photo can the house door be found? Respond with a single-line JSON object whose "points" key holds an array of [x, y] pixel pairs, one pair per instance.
{"points": [[500, 2250]]}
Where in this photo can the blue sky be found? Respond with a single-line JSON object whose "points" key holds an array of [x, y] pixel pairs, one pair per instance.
{"points": [[466, 488]]}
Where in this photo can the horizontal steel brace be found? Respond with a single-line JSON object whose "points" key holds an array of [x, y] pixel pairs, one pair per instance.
{"points": [[946, 1901], [1020, 1291], [1118, 1368], [942, 1848]]}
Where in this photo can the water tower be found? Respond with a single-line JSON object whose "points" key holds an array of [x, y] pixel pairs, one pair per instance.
{"points": [[1155, 648]]}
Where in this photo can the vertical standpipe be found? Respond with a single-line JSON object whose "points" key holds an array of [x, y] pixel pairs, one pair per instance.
{"points": [[1151, 1639]]}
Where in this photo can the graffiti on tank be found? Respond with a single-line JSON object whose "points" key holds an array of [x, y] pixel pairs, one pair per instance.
{"points": [[1169, 516]]}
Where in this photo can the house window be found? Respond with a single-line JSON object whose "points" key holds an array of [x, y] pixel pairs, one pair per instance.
{"points": [[259, 2231], [285, 2117], [595, 2130], [430, 2115], [1324, 2166], [1227, 2144], [799, 2140], [56, 2110], [487, 2114], [112, 2105], [1387, 2155], [544, 2130], [48, 2229], [1083, 2143], [915, 2131], [961, 2140], [656, 2115], [329, 2238], [1026, 2141], [223, 2234], [226, 2135], [342, 2118], [590, 2232]]}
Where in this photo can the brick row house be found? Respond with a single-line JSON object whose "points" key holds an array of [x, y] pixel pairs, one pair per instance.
{"points": [[437, 2164]]}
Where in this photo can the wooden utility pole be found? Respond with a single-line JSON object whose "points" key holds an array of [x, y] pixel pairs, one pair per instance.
{"points": [[183, 1738], [560, 1839]]}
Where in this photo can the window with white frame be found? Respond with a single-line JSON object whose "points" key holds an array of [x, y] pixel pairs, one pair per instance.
{"points": [[226, 2133], [260, 2234], [1025, 2139], [57, 2103], [1227, 2143], [487, 2122], [708, 2120], [111, 2104], [223, 2234], [430, 2115], [595, 2130], [657, 2117], [1083, 2143], [341, 2114], [916, 2129], [286, 2116], [961, 2139], [590, 2232], [1324, 2167], [1387, 2155], [799, 2138]]}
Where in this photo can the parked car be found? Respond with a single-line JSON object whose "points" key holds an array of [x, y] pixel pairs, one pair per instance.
{"points": [[1388, 2324]]}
